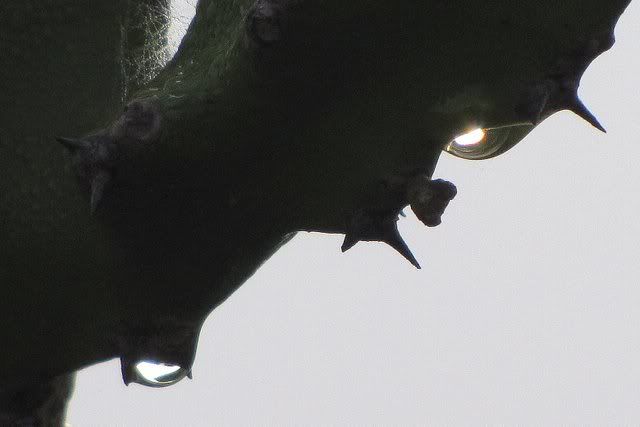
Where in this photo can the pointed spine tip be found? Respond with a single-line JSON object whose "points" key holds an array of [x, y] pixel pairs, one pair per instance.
{"points": [[397, 243], [583, 112], [348, 243], [415, 263]]}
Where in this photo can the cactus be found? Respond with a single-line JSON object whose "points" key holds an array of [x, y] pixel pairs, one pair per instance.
{"points": [[294, 115]]}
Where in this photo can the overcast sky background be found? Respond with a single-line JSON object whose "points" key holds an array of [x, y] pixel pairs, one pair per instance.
{"points": [[527, 309]]}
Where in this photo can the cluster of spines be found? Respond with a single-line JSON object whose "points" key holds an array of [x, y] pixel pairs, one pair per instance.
{"points": [[428, 200]]}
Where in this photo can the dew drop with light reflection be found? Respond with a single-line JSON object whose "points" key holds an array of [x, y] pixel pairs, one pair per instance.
{"points": [[155, 374], [476, 136]]}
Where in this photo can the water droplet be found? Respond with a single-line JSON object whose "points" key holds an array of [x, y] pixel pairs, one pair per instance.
{"points": [[158, 374], [486, 143]]}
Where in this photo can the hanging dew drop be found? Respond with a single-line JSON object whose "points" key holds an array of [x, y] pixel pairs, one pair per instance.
{"points": [[486, 143], [158, 374]]}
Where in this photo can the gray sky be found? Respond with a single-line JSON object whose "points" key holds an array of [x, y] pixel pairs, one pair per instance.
{"points": [[526, 310]]}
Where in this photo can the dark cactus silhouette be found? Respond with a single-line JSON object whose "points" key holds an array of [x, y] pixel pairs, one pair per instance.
{"points": [[119, 172]]}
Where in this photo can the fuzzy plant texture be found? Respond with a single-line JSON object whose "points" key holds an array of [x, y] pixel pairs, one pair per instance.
{"points": [[136, 197]]}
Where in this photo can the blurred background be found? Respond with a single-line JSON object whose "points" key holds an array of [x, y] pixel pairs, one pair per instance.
{"points": [[526, 310]]}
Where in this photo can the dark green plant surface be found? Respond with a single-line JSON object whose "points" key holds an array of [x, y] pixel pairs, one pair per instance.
{"points": [[274, 117]]}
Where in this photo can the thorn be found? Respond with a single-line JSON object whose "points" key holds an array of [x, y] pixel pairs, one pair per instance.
{"points": [[396, 242], [349, 242], [402, 214], [582, 111], [363, 226], [190, 375], [72, 144], [98, 187]]}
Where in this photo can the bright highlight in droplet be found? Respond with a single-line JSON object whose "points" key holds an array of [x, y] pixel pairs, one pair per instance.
{"points": [[471, 138], [158, 373]]}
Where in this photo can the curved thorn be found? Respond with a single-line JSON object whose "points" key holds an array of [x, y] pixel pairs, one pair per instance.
{"points": [[190, 375], [583, 112]]}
